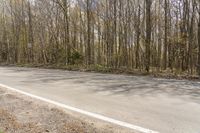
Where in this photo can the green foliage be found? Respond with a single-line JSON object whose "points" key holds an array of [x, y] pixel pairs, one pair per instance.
{"points": [[100, 68], [76, 58]]}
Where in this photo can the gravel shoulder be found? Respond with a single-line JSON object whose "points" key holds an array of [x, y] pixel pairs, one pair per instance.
{"points": [[21, 114]]}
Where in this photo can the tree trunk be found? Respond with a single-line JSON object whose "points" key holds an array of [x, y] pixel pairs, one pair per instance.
{"points": [[89, 59], [198, 65], [166, 36], [137, 60], [148, 33]]}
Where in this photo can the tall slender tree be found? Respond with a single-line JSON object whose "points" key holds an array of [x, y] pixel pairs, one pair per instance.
{"points": [[148, 33]]}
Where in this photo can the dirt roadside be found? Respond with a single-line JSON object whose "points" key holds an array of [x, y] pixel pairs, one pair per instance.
{"points": [[167, 74], [20, 114]]}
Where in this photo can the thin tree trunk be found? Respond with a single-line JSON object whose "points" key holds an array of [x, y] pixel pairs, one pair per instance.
{"points": [[148, 33], [198, 65]]}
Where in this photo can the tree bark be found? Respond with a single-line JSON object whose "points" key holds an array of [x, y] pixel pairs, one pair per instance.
{"points": [[198, 65], [148, 33]]}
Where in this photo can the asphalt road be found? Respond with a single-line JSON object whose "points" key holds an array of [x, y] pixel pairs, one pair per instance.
{"points": [[166, 106]]}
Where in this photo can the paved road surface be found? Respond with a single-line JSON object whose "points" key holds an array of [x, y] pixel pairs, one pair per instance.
{"points": [[166, 106]]}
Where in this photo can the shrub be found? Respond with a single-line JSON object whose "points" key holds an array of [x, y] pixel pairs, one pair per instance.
{"points": [[76, 58]]}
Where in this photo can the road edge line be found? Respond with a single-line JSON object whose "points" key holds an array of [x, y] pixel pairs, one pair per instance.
{"points": [[94, 115]]}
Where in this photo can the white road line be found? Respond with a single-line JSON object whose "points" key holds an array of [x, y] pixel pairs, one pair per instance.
{"points": [[97, 116]]}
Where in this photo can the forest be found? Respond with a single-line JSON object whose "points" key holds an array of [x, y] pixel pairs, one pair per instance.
{"points": [[144, 35]]}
